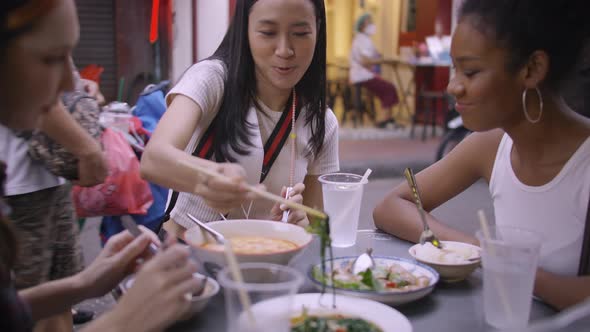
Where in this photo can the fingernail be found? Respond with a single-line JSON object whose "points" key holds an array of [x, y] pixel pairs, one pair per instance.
{"points": [[283, 207]]}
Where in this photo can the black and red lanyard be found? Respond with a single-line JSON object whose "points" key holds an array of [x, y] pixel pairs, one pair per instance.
{"points": [[272, 148]]}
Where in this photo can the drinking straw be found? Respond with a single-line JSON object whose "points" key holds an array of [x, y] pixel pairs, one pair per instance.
{"points": [[366, 175], [234, 270], [499, 285], [238, 278], [121, 85], [232, 261]]}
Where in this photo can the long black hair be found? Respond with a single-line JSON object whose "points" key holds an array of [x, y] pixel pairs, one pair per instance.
{"points": [[232, 128], [560, 28]]}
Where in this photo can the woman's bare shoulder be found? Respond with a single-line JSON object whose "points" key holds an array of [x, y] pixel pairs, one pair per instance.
{"points": [[488, 139], [480, 149]]}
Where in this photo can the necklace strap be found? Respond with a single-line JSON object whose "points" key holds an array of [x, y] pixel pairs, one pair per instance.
{"points": [[293, 141], [278, 137]]}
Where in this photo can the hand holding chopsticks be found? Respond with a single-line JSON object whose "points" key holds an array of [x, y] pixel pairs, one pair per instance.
{"points": [[259, 191], [224, 191], [281, 212]]}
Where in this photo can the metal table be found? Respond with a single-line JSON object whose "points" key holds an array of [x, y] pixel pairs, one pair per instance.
{"points": [[450, 307], [409, 89]]}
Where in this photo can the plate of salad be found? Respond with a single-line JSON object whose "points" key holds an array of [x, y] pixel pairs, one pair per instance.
{"points": [[392, 281], [313, 312]]}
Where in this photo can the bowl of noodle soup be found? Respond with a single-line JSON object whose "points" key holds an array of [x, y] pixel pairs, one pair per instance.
{"points": [[261, 241]]}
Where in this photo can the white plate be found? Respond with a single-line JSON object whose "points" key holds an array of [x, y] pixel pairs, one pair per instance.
{"points": [[392, 298], [385, 317]]}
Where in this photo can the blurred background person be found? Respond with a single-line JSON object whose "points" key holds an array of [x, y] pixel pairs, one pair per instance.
{"points": [[439, 44], [364, 60]]}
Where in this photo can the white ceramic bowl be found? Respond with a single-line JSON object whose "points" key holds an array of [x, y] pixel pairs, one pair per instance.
{"points": [[452, 272], [391, 297], [214, 259], [198, 303]]}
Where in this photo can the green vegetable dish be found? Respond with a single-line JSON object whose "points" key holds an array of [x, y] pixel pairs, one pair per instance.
{"points": [[332, 323], [390, 277], [321, 227]]}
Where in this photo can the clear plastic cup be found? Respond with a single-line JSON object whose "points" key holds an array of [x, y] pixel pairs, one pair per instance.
{"points": [[343, 193], [262, 282], [509, 259], [119, 121]]}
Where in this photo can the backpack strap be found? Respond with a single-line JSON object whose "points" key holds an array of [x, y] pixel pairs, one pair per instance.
{"points": [[272, 148], [203, 150], [584, 268]]}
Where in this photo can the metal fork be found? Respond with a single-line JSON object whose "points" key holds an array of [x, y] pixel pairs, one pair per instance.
{"points": [[427, 235]]}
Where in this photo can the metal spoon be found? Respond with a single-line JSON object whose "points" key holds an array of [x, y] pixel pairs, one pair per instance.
{"points": [[216, 235], [132, 227], [363, 262], [427, 235]]}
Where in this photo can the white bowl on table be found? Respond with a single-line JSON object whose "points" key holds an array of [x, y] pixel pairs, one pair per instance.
{"points": [[391, 297], [198, 303], [215, 259], [451, 271]]}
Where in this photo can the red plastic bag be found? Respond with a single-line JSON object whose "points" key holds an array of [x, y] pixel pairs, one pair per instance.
{"points": [[123, 192]]}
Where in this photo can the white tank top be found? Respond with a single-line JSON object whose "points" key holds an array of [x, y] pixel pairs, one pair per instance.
{"points": [[556, 210]]}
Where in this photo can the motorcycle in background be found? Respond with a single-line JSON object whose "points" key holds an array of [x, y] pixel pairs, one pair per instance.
{"points": [[455, 134]]}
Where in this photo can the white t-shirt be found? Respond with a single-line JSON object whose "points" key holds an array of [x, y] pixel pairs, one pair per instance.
{"points": [[556, 210], [23, 175], [362, 46], [204, 84]]}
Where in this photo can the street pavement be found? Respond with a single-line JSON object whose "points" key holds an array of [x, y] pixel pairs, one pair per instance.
{"points": [[386, 151]]}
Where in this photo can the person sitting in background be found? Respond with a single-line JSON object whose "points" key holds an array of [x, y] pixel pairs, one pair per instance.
{"points": [[511, 59], [439, 45], [36, 41], [363, 59]]}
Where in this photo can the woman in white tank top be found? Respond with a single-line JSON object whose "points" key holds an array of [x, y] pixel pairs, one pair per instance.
{"points": [[529, 145]]}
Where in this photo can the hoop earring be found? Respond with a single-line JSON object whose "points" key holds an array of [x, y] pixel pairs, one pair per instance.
{"points": [[526, 113]]}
